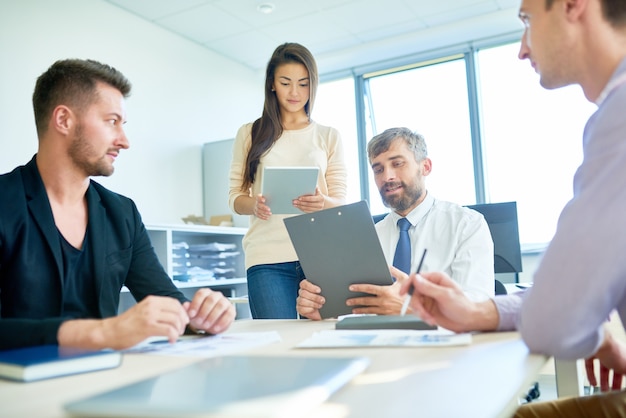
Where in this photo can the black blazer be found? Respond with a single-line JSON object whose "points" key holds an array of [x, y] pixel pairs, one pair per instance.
{"points": [[31, 264]]}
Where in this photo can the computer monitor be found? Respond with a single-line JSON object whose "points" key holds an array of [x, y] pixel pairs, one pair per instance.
{"points": [[502, 221]]}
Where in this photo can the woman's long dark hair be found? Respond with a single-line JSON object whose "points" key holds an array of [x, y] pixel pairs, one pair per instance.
{"points": [[268, 128]]}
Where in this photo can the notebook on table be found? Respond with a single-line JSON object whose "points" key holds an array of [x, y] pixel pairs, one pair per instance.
{"points": [[233, 386], [338, 247], [281, 185], [47, 361]]}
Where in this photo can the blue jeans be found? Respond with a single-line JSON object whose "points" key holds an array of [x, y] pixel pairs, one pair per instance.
{"points": [[273, 289]]}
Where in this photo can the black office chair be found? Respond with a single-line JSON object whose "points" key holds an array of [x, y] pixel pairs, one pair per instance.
{"points": [[502, 221], [500, 289], [378, 218]]}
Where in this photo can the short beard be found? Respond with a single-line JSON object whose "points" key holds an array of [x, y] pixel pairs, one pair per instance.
{"points": [[403, 202], [80, 150]]}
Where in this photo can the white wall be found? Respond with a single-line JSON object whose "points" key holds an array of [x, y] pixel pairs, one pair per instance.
{"points": [[183, 95]]}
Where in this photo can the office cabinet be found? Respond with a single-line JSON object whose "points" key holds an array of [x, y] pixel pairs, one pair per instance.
{"points": [[196, 256]]}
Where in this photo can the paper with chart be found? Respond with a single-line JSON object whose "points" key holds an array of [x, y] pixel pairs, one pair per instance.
{"points": [[206, 346], [384, 338]]}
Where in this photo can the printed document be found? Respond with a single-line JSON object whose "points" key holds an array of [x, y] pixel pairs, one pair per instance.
{"points": [[384, 338], [205, 346]]}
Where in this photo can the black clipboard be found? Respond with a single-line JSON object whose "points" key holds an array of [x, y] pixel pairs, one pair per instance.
{"points": [[338, 247]]}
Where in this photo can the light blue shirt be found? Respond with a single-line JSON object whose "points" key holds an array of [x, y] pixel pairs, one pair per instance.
{"points": [[582, 276]]}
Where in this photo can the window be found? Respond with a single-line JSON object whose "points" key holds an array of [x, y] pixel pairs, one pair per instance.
{"points": [[532, 140], [431, 100], [335, 106]]}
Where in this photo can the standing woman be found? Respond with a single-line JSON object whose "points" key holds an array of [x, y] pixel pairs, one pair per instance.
{"points": [[284, 135]]}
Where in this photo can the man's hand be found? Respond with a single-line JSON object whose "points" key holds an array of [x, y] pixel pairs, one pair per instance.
{"points": [[384, 300], [153, 316], [437, 299], [612, 357], [210, 311], [309, 301]]}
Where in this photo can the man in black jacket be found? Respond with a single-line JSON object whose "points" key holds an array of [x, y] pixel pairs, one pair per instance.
{"points": [[68, 245]]}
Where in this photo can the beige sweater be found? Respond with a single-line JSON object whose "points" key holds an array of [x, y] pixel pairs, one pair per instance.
{"points": [[267, 242]]}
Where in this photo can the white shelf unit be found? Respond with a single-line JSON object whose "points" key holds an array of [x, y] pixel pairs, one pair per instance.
{"points": [[165, 237]]}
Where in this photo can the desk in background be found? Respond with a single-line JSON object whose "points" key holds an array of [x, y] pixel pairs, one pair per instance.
{"points": [[483, 379]]}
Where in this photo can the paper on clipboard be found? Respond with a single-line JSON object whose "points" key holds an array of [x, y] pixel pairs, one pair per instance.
{"points": [[281, 185]]}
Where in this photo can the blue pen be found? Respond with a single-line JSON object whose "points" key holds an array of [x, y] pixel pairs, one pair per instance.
{"points": [[407, 299]]}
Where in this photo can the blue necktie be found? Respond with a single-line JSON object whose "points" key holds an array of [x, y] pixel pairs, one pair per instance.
{"points": [[402, 257]]}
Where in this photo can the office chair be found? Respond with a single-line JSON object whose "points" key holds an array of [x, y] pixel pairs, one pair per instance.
{"points": [[378, 218], [502, 221], [500, 289]]}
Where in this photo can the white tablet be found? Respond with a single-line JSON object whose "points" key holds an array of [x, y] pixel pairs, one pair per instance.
{"points": [[281, 185], [228, 386]]}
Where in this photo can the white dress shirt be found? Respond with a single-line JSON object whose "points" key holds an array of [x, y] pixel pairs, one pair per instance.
{"points": [[457, 239]]}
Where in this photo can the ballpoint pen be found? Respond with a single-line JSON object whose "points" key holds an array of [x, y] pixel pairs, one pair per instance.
{"points": [[407, 299]]}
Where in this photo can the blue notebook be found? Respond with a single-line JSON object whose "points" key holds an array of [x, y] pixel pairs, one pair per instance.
{"points": [[46, 361], [234, 386]]}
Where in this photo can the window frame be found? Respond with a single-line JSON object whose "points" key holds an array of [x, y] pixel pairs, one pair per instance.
{"points": [[469, 52]]}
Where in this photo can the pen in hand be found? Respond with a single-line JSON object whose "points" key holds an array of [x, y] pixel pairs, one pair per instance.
{"points": [[407, 299]]}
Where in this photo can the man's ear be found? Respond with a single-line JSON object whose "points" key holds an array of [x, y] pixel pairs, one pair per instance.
{"points": [[62, 119], [574, 9], [427, 166]]}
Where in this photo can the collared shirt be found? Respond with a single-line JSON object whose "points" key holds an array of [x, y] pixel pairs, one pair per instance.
{"points": [[457, 239], [582, 276]]}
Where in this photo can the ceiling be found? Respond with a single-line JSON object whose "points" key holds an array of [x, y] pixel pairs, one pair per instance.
{"points": [[361, 31]]}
